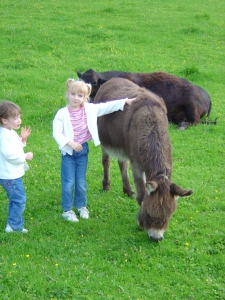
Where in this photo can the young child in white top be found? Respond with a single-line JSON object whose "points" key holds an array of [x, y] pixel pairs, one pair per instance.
{"points": [[73, 126], [13, 163]]}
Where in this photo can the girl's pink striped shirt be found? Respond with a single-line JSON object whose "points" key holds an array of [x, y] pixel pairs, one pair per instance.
{"points": [[78, 120]]}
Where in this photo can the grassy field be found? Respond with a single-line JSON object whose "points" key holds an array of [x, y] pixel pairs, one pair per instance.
{"points": [[107, 257]]}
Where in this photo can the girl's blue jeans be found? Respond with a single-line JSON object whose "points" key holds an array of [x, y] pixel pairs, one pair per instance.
{"points": [[17, 202], [73, 179]]}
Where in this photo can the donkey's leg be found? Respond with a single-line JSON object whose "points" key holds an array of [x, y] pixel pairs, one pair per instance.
{"points": [[106, 171], [124, 166], [139, 180]]}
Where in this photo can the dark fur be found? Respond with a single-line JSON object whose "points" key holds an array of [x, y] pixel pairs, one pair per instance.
{"points": [[139, 134], [186, 103]]}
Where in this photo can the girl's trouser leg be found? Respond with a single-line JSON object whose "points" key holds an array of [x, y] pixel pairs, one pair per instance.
{"points": [[67, 181], [17, 202], [80, 199]]}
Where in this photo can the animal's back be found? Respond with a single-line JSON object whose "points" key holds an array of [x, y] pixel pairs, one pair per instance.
{"points": [[122, 134], [111, 126], [116, 88]]}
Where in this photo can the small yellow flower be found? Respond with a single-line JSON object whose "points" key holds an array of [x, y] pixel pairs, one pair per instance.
{"points": [[186, 244], [14, 264], [56, 265], [27, 255]]}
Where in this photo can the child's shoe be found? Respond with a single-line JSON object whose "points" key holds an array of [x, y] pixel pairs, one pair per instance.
{"points": [[84, 213], [70, 216], [9, 229]]}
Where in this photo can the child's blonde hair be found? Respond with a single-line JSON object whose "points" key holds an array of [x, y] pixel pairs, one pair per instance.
{"points": [[8, 110], [78, 86]]}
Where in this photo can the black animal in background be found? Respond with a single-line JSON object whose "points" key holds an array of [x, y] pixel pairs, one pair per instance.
{"points": [[186, 103]]}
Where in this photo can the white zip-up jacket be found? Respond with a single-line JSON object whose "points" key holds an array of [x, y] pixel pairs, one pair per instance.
{"points": [[12, 156], [63, 130]]}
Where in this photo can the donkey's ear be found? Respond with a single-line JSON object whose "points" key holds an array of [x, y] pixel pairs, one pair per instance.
{"points": [[151, 186], [179, 191]]}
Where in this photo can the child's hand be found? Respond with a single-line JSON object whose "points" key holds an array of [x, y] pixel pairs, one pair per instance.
{"points": [[29, 156], [25, 132], [129, 101], [76, 146]]}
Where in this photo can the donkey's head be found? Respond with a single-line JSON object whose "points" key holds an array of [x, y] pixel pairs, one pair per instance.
{"points": [[158, 205]]}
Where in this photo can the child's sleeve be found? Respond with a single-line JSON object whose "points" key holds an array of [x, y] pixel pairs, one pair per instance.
{"points": [[109, 107], [12, 151], [58, 131]]}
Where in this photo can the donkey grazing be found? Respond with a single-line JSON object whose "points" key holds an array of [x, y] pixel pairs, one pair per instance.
{"points": [[140, 135]]}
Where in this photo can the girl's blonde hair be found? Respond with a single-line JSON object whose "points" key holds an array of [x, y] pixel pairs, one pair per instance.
{"points": [[8, 110], [78, 86]]}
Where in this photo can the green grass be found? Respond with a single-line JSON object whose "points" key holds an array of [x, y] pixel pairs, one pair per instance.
{"points": [[42, 44]]}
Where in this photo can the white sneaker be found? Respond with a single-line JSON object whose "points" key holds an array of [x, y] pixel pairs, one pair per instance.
{"points": [[9, 229], [84, 213], [70, 216]]}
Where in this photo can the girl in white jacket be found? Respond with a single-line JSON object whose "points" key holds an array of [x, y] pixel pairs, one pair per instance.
{"points": [[73, 126], [13, 163]]}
